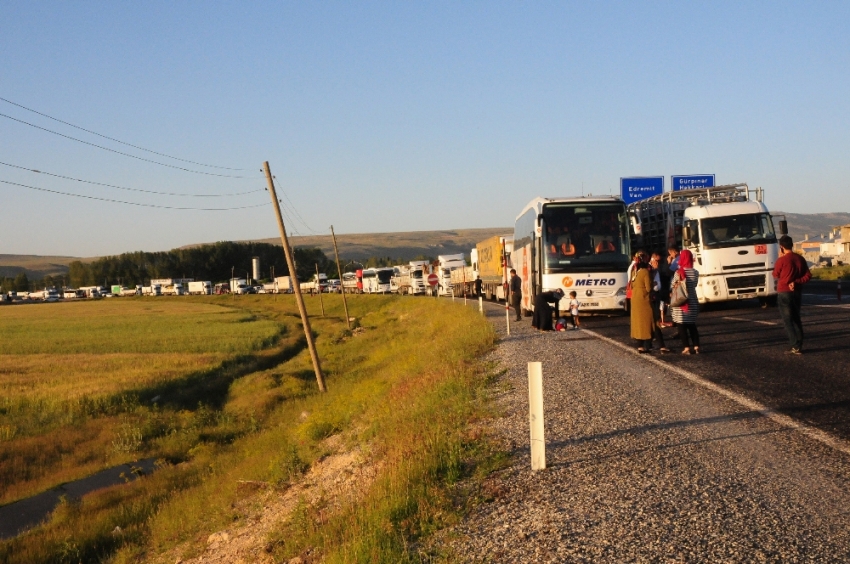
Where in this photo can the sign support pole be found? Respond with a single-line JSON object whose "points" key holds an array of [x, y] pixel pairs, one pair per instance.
{"points": [[296, 287]]}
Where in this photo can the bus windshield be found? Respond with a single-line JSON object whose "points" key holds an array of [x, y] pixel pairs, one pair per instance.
{"points": [[585, 237], [384, 276], [737, 230]]}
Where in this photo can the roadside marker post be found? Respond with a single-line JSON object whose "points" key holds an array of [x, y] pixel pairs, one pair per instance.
{"points": [[481, 305], [535, 415]]}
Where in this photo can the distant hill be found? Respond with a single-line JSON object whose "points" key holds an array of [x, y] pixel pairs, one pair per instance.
{"points": [[35, 266], [812, 224], [405, 245]]}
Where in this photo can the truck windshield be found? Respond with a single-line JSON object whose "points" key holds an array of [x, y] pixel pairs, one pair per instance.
{"points": [[416, 273], [585, 237], [737, 230]]}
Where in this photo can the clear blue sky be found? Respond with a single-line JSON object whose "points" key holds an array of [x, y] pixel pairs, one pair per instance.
{"points": [[405, 116]]}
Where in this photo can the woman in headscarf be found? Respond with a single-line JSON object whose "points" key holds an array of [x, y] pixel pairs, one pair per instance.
{"points": [[641, 309], [542, 318], [685, 316]]}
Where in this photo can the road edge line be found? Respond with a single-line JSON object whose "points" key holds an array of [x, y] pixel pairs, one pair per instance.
{"points": [[784, 420]]}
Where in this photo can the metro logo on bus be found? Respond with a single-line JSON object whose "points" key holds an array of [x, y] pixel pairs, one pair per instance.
{"points": [[567, 281], [597, 282]]}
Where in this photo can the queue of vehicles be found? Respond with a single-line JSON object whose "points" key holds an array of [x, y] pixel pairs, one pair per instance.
{"points": [[582, 244]]}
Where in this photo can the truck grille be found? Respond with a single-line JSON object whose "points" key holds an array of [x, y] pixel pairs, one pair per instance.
{"points": [[736, 282]]}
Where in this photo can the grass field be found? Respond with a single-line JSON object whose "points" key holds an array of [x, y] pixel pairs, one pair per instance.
{"points": [[403, 388]]}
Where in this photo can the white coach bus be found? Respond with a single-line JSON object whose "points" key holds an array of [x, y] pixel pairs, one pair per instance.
{"points": [[575, 244]]}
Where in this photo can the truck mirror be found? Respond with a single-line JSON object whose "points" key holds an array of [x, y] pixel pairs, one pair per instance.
{"points": [[686, 235], [783, 227]]}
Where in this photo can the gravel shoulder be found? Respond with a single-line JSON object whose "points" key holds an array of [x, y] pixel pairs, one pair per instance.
{"points": [[645, 466]]}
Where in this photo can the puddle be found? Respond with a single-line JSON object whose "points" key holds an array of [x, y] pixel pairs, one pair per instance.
{"points": [[25, 514]]}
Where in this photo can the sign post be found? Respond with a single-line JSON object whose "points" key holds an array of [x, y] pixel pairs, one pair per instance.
{"points": [[432, 281], [636, 188], [691, 181]]}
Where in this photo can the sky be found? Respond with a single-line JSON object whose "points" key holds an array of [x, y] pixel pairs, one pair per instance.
{"points": [[401, 116]]}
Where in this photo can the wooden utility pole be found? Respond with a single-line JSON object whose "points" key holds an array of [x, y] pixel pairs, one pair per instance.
{"points": [[319, 289], [296, 287], [341, 287]]}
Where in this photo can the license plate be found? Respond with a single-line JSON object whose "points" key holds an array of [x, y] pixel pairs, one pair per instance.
{"points": [[745, 296], [591, 304]]}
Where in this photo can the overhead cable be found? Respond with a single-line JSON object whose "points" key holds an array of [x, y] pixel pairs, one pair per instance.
{"points": [[132, 189], [294, 209], [122, 153], [115, 140], [128, 203]]}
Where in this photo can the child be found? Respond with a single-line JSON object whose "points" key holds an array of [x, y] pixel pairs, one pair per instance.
{"points": [[574, 305]]}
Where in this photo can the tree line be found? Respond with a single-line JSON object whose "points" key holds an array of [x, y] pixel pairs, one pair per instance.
{"points": [[214, 262]]}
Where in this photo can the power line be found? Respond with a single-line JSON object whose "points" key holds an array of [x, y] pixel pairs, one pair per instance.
{"points": [[120, 152], [116, 140], [131, 189], [128, 203], [294, 209]]}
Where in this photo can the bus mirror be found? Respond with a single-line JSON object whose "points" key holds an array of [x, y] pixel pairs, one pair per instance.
{"points": [[686, 235], [783, 227]]}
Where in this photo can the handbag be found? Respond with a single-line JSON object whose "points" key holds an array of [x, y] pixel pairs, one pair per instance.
{"points": [[679, 294]]}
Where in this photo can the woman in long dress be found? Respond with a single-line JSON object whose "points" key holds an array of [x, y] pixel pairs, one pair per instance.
{"points": [[641, 310], [685, 316], [542, 318]]}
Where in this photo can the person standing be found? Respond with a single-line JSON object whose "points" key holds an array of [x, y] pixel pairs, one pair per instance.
{"points": [[641, 308], [655, 301], [685, 315], [574, 306], [516, 294], [542, 318], [791, 272], [478, 286]]}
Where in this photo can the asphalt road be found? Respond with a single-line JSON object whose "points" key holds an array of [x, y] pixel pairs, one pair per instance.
{"points": [[743, 349], [671, 458]]}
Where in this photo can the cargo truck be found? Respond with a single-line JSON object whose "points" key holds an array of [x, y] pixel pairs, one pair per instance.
{"points": [[491, 261], [728, 229], [202, 288], [410, 278], [316, 283], [445, 265]]}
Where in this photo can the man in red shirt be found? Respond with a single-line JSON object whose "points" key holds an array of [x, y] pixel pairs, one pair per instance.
{"points": [[791, 272]]}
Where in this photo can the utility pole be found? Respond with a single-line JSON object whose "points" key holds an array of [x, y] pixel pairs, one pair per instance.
{"points": [[341, 287], [319, 288], [296, 287]]}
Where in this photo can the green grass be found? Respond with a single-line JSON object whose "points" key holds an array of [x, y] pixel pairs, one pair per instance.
{"points": [[404, 391], [831, 273]]}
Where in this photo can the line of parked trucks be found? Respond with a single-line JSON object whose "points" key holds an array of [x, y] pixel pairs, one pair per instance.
{"points": [[582, 244]]}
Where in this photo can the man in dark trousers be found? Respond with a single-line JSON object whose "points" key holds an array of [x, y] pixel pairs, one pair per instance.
{"points": [[791, 272], [516, 293], [478, 286]]}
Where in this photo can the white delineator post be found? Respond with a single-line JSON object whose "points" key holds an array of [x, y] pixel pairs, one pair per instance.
{"points": [[481, 304], [535, 415], [508, 316]]}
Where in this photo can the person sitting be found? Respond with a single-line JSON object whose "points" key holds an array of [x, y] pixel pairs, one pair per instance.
{"points": [[565, 244], [605, 246]]}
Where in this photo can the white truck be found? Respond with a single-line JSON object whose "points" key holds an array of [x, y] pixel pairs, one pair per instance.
{"points": [[728, 229], [152, 290], [280, 285], [92, 291], [201, 288], [352, 282], [315, 285], [447, 263], [239, 286], [377, 280], [410, 278]]}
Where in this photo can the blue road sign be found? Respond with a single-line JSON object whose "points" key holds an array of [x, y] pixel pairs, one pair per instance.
{"points": [[691, 181], [640, 187]]}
